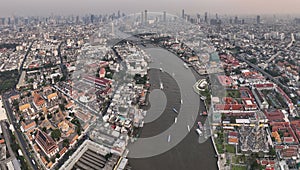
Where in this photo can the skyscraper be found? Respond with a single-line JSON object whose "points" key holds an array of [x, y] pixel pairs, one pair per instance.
{"points": [[77, 19], [112, 29], [198, 18], [165, 16], [142, 17], [182, 14], [2, 21], [146, 17], [119, 14], [236, 20], [258, 19], [205, 17], [92, 18]]}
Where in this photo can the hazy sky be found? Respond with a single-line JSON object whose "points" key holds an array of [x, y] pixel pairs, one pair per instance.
{"points": [[65, 7]]}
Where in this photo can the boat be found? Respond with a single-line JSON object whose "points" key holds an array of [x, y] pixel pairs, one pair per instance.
{"points": [[200, 126], [161, 86], [186, 66], [199, 132], [175, 110], [181, 101]]}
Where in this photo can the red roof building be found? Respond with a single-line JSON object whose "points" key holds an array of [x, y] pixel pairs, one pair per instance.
{"points": [[102, 72], [46, 143], [38, 100], [101, 82], [225, 80], [265, 86], [274, 115]]}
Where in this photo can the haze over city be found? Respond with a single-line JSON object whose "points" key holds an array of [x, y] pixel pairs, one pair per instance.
{"points": [[66, 7], [149, 85]]}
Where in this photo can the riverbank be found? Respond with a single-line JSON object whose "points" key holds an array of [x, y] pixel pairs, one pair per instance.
{"points": [[188, 153]]}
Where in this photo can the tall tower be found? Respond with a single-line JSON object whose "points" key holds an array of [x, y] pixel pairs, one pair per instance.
{"points": [[142, 17], [198, 18], [182, 14], [92, 18], [205, 17], [165, 16], [146, 17], [258, 19], [236, 20], [119, 14], [112, 29]]}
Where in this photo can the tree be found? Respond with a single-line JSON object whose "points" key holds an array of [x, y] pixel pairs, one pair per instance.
{"points": [[62, 107], [66, 143], [56, 134], [44, 129], [31, 80], [15, 103], [49, 116], [272, 152], [53, 159], [253, 60], [107, 156], [78, 129]]}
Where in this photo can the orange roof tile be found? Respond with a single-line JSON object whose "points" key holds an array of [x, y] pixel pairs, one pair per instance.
{"points": [[24, 107], [233, 140]]}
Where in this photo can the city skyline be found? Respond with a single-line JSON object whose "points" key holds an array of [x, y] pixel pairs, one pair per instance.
{"points": [[68, 7]]}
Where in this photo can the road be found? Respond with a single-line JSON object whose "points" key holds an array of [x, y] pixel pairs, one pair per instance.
{"points": [[8, 145], [20, 139], [292, 41], [27, 52], [62, 68], [76, 101], [242, 58]]}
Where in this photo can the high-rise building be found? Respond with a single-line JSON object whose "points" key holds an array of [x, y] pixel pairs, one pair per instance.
{"points": [[26, 21], [236, 20], [205, 17], [92, 18], [165, 16], [8, 21], [112, 29], [258, 19], [2, 21], [146, 17], [142, 17], [182, 14], [77, 19], [119, 14], [16, 20], [198, 18]]}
